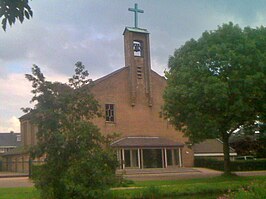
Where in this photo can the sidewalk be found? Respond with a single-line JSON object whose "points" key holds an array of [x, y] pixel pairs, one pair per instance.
{"points": [[12, 174], [15, 182]]}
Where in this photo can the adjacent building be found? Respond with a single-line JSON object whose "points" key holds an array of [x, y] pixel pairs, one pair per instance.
{"points": [[9, 141], [212, 148]]}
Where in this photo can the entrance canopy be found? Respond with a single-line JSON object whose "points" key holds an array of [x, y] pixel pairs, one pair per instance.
{"points": [[148, 152], [145, 142]]}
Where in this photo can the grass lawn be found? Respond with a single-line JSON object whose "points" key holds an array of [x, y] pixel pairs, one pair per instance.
{"points": [[245, 187], [19, 193], [192, 188]]}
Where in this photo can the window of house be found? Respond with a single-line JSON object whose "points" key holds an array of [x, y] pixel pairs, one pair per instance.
{"points": [[18, 138], [109, 112], [137, 48]]}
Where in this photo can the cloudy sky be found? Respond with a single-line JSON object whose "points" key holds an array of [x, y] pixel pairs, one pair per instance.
{"points": [[64, 32]]}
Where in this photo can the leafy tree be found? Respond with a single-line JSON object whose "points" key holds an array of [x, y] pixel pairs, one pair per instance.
{"points": [[12, 10], [247, 142], [216, 84], [78, 164]]}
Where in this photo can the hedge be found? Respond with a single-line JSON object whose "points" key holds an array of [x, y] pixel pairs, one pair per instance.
{"points": [[237, 165]]}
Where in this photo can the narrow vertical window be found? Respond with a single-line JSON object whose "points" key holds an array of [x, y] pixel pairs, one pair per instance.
{"points": [[109, 112], [137, 48], [139, 72]]}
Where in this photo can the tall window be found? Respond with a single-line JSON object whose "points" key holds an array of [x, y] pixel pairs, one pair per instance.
{"points": [[109, 112]]}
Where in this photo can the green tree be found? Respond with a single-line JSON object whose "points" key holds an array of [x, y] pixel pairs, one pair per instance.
{"points": [[12, 10], [78, 163], [216, 84]]}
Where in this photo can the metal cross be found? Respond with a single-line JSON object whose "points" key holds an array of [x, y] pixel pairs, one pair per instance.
{"points": [[136, 11]]}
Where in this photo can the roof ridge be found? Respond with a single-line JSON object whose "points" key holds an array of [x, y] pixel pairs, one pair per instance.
{"points": [[108, 75]]}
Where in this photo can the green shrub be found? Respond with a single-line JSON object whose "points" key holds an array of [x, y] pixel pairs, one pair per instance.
{"points": [[237, 165], [248, 165], [1, 165], [209, 163]]}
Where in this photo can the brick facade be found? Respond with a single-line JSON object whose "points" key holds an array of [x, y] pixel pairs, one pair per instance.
{"points": [[137, 101], [136, 93]]}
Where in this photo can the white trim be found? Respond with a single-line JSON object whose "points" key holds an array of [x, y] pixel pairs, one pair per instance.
{"points": [[139, 158], [117, 141], [180, 157], [123, 159], [142, 164], [212, 154], [165, 157]]}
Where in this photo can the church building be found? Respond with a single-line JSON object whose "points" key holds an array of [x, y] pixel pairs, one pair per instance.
{"points": [[131, 99]]}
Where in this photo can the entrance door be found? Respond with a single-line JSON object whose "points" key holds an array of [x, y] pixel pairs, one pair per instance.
{"points": [[152, 158]]}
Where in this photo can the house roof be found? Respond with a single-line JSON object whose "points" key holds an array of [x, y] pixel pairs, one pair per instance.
{"points": [[9, 139], [145, 142], [210, 146]]}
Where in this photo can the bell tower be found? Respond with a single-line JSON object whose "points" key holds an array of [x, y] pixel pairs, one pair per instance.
{"points": [[137, 58]]}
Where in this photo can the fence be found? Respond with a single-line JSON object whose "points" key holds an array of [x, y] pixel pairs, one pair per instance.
{"points": [[18, 166]]}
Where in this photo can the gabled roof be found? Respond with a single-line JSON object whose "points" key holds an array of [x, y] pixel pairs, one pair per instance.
{"points": [[210, 146], [109, 75], [145, 142], [9, 139]]}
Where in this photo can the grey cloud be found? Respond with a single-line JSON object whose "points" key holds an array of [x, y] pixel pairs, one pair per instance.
{"points": [[91, 31]]}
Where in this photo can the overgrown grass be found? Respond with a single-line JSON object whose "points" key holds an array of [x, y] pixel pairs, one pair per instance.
{"points": [[231, 187]]}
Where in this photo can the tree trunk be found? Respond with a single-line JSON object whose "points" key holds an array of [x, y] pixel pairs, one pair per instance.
{"points": [[227, 170]]}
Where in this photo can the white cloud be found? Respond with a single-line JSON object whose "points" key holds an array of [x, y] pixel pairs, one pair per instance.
{"points": [[15, 93], [10, 124]]}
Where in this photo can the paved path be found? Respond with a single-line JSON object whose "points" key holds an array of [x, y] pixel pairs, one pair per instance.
{"points": [[186, 173], [16, 182], [147, 175], [12, 174]]}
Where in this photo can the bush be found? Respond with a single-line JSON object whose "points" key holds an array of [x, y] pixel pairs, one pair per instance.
{"points": [[36, 170], [1, 165], [238, 165], [209, 163]]}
